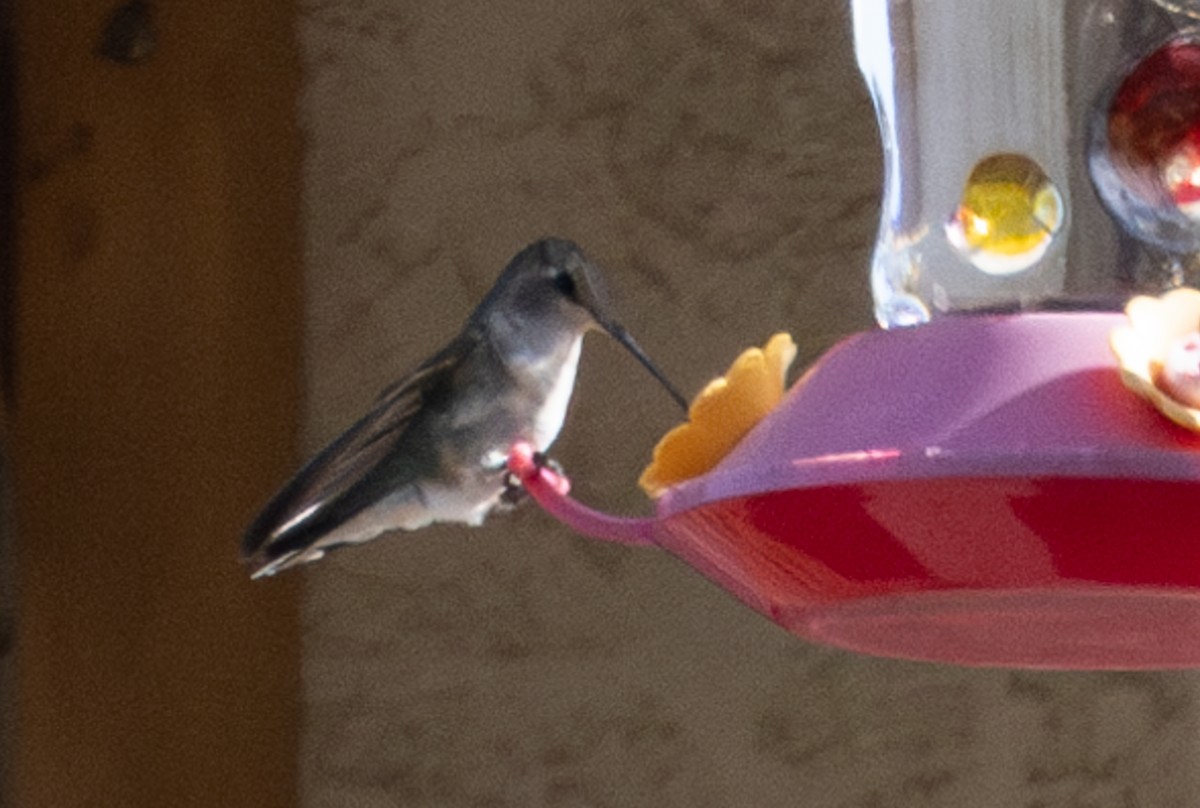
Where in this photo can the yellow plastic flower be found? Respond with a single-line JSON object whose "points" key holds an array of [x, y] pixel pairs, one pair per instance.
{"points": [[721, 415], [1157, 325]]}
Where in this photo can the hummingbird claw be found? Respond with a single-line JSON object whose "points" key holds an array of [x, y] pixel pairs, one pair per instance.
{"points": [[550, 469], [542, 460], [514, 491], [524, 463], [513, 494]]}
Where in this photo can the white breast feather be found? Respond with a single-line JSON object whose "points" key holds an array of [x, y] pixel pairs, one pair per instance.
{"points": [[554, 411]]}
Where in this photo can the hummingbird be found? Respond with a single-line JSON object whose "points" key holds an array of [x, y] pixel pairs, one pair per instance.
{"points": [[434, 446]]}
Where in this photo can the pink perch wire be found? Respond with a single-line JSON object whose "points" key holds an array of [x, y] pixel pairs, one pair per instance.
{"points": [[551, 490]]}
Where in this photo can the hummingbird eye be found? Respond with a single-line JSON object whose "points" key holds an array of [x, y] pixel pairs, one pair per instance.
{"points": [[565, 283]]}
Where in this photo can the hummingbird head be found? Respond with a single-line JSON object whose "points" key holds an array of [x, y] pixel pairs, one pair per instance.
{"points": [[551, 290]]}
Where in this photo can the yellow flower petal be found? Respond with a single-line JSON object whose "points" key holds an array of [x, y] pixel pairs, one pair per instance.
{"points": [[721, 415]]}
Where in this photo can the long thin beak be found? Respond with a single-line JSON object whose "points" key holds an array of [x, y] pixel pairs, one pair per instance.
{"points": [[622, 336]]}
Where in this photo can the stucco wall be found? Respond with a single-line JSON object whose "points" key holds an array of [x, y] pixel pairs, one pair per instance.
{"points": [[721, 159]]}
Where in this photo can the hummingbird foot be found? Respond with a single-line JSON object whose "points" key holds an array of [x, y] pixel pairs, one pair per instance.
{"points": [[514, 492], [525, 463], [543, 461]]}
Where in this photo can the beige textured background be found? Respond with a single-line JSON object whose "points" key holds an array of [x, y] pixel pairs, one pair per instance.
{"points": [[721, 158]]}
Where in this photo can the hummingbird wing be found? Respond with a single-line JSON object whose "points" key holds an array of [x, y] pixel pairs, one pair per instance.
{"points": [[342, 480]]}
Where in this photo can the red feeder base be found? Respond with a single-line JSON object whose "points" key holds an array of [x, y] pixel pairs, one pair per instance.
{"points": [[979, 490]]}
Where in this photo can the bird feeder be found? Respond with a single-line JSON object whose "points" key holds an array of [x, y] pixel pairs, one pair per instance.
{"points": [[973, 483]]}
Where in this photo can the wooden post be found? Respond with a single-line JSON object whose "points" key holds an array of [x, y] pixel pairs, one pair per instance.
{"points": [[157, 341]]}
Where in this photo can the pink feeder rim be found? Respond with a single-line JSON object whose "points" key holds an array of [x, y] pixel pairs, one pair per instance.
{"points": [[980, 490]]}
